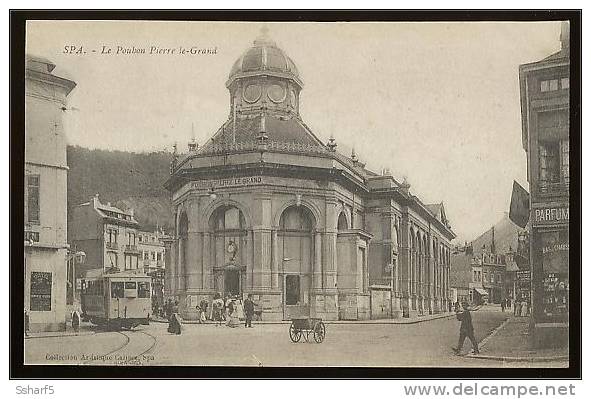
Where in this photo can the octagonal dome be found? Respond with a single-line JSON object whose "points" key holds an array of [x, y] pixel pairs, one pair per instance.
{"points": [[264, 58]]}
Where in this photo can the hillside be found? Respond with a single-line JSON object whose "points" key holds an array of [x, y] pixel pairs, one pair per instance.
{"points": [[127, 180], [505, 237]]}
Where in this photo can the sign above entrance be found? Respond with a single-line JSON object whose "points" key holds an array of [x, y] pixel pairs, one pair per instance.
{"points": [[230, 182], [245, 181], [550, 215]]}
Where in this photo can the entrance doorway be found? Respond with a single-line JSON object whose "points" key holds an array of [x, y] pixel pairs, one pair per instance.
{"points": [[292, 289], [232, 282]]}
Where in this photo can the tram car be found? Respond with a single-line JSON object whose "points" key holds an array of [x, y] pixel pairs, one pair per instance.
{"points": [[116, 300]]}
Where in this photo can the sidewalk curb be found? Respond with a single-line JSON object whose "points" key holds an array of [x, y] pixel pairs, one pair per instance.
{"points": [[61, 335], [511, 358], [333, 322], [519, 359], [493, 332]]}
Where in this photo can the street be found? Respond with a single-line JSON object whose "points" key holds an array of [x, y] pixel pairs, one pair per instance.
{"points": [[425, 344]]}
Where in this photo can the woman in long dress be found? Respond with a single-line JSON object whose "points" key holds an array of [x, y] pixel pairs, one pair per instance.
{"points": [[232, 314]]}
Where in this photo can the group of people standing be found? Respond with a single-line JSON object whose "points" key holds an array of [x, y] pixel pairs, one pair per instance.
{"points": [[229, 309], [520, 306]]}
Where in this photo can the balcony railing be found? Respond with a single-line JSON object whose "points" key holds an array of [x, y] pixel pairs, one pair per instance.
{"points": [[554, 188], [111, 245], [131, 248], [31, 236]]}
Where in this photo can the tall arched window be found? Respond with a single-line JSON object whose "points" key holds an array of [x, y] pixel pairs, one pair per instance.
{"points": [[228, 248], [342, 223], [228, 227], [295, 247]]}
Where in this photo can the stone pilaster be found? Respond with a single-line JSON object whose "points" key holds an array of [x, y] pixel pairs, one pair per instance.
{"points": [[194, 261], [274, 261], [317, 273]]}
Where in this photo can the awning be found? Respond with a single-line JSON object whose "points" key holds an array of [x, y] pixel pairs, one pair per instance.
{"points": [[481, 291]]}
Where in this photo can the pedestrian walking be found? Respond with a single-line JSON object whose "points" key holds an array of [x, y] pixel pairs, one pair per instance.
{"points": [[76, 321], [508, 302], [524, 308], [217, 308], [232, 318], [203, 310], [517, 308], [168, 309], [503, 305], [248, 311], [466, 330], [174, 325]]}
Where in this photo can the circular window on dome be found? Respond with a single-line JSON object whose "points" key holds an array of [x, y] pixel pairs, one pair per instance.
{"points": [[252, 93], [276, 93]]}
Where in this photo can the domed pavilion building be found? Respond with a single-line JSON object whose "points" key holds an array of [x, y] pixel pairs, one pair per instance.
{"points": [[266, 208]]}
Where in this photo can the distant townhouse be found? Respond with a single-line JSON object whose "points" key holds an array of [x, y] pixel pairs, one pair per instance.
{"points": [[108, 236]]}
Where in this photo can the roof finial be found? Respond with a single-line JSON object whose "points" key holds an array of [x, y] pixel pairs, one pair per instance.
{"points": [[332, 145], [192, 144], [353, 155], [264, 38]]}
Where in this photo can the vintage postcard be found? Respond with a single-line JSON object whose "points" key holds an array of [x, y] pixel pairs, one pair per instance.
{"points": [[276, 194]]}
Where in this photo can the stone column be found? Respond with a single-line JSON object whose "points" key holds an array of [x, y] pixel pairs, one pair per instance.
{"points": [[404, 261], [274, 261], [250, 260], [173, 269], [262, 241], [182, 267], [207, 261], [330, 261], [317, 274], [262, 265], [194, 261]]}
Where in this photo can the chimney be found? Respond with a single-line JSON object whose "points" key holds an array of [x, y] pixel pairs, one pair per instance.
{"points": [[131, 212], [492, 244], [95, 201]]}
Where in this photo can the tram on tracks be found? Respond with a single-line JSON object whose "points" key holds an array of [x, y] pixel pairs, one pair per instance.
{"points": [[116, 300]]}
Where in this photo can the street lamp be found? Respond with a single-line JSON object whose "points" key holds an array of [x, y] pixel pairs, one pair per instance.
{"points": [[73, 258]]}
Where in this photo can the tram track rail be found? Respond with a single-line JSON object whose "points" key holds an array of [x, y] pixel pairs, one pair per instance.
{"points": [[119, 356]]}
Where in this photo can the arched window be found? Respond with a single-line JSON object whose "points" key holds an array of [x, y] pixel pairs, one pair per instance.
{"points": [[227, 218], [342, 223], [295, 247], [229, 234]]}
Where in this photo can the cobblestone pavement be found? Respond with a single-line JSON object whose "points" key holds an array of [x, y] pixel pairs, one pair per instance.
{"points": [[426, 344]]}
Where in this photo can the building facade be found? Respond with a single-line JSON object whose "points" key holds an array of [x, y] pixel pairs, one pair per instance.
{"points": [[108, 236], [461, 273], [545, 111], [151, 245], [46, 170], [267, 208]]}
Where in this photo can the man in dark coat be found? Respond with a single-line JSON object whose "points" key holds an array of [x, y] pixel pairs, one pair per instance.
{"points": [[248, 311], [466, 329]]}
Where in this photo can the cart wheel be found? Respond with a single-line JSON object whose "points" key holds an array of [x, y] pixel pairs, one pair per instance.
{"points": [[294, 334], [319, 332]]}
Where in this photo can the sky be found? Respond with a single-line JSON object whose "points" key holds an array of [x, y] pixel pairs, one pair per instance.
{"points": [[436, 103]]}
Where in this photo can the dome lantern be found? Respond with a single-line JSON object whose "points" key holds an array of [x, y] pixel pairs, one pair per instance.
{"points": [[264, 77]]}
